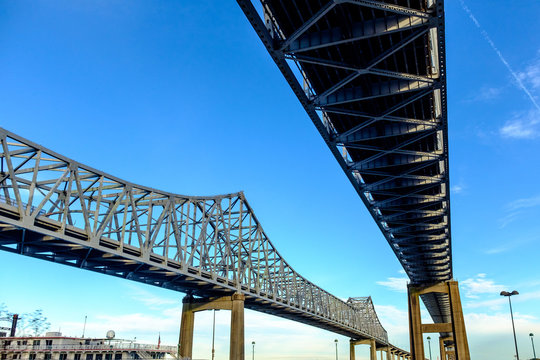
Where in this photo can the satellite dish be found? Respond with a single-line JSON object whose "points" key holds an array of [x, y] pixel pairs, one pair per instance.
{"points": [[110, 334]]}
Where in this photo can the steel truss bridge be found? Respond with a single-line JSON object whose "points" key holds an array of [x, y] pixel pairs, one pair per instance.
{"points": [[371, 76], [53, 208]]}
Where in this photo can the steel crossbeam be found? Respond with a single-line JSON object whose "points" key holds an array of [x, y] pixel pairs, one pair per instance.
{"points": [[56, 209], [374, 86]]}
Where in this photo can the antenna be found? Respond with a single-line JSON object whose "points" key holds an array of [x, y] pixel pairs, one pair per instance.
{"points": [[84, 327]]}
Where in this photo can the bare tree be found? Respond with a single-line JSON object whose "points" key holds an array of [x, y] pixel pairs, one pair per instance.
{"points": [[36, 321], [4, 313]]}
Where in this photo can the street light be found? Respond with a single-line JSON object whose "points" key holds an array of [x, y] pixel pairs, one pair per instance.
{"points": [[429, 345], [214, 334], [336, 348], [532, 342], [506, 293], [253, 350]]}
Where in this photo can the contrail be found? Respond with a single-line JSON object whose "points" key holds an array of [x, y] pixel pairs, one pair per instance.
{"points": [[492, 44]]}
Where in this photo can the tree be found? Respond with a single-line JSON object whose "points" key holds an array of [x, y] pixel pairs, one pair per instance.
{"points": [[36, 321], [5, 315]]}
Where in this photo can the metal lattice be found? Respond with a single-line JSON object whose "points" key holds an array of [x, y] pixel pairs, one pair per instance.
{"points": [[371, 76], [56, 209]]}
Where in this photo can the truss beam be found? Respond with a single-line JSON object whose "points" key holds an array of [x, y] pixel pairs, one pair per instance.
{"points": [[81, 217]]}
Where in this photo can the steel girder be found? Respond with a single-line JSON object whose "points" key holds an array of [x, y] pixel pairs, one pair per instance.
{"points": [[56, 209], [374, 84]]}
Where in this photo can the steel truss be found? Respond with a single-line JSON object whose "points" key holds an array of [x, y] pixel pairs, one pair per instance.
{"points": [[371, 76], [56, 209]]}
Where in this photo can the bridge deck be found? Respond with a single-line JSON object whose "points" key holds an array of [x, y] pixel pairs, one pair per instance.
{"points": [[374, 84]]}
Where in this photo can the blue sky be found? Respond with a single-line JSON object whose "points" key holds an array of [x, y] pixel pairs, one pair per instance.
{"points": [[182, 96]]}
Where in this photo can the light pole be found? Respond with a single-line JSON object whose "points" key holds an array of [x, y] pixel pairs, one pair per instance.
{"points": [[429, 345], [532, 342], [214, 334], [336, 348], [253, 350], [506, 293]]}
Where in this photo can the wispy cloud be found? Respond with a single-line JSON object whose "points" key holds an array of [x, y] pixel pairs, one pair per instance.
{"points": [[150, 299], [524, 203], [510, 69], [480, 284], [525, 125], [531, 74], [498, 249], [398, 284], [457, 189], [485, 94], [490, 324], [517, 207]]}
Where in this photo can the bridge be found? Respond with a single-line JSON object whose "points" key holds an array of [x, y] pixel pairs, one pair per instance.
{"points": [[213, 248], [371, 76]]}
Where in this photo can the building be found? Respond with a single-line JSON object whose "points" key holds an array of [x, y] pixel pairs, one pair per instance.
{"points": [[54, 346]]}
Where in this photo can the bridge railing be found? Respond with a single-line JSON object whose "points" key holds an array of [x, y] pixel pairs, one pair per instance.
{"points": [[218, 236]]}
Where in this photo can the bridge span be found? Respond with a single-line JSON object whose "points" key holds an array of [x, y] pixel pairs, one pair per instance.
{"points": [[55, 209], [371, 75]]}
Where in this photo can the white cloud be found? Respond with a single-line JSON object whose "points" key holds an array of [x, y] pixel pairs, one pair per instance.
{"points": [[516, 208], [395, 284], [522, 126], [492, 304], [486, 93], [126, 326], [524, 203], [531, 74], [456, 189], [480, 285], [395, 322], [498, 249], [150, 299], [508, 218]]}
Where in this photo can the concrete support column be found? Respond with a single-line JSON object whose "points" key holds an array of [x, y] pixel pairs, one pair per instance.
{"points": [[456, 326], [237, 328], [372, 350], [415, 325], [186, 328], [442, 349], [389, 354], [351, 351], [458, 323]]}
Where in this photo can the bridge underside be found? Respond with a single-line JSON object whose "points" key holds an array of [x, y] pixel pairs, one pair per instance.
{"points": [[42, 243], [371, 76]]}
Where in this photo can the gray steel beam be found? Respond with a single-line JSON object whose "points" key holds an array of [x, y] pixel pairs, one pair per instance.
{"points": [[360, 71], [380, 5], [360, 31], [411, 99], [377, 90]]}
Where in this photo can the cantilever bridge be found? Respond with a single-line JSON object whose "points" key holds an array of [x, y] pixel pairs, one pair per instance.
{"points": [[371, 76], [372, 80], [53, 208]]}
